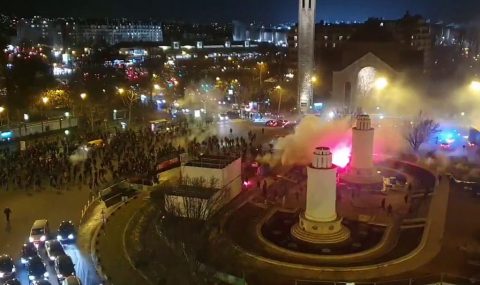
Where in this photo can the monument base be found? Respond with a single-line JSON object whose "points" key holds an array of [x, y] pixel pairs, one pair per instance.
{"points": [[367, 179], [320, 232]]}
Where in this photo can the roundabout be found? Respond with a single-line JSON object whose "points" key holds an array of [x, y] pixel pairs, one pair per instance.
{"points": [[380, 244]]}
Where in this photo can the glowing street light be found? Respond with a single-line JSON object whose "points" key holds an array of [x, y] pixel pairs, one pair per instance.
{"points": [[381, 83], [314, 79], [2, 109], [475, 86], [83, 96], [121, 91], [45, 100]]}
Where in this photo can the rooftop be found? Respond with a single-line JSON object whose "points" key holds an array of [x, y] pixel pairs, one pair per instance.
{"points": [[211, 161]]}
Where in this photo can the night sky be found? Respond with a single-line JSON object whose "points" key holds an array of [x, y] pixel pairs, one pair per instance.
{"points": [[267, 11]]}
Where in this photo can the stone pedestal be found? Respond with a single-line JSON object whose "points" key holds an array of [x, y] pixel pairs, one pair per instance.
{"points": [[310, 231]]}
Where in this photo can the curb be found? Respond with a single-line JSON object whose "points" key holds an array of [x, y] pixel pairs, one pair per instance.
{"points": [[94, 252]]}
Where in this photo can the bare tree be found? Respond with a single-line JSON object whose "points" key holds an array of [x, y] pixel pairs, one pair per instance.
{"points": [[198, 200], [129, 98], [421, 130]]}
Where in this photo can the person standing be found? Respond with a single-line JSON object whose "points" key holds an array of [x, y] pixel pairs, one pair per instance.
{"points": [[7, 213]]}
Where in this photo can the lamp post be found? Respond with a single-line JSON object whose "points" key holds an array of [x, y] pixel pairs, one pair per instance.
{"points": [[45, 102], [2, 110], [279, 89], [475, 86], [381, 83], [261, 65]]}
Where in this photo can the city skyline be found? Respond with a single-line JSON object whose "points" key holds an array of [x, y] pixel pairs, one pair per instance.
{"points": [[268, 11]]}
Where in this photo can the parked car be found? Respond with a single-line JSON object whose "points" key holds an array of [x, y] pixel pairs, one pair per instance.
{"points": [[37, 270], [54, 249], [29, 250], [7, 267], [66, 231], [64, 267]]}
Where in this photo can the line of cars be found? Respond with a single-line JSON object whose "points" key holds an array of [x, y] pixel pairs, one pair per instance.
{"points": [[31, 256]]}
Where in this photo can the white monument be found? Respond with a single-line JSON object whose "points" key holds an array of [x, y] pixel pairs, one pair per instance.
{"points": [[320, 223], [306, 43], [361, 170]]}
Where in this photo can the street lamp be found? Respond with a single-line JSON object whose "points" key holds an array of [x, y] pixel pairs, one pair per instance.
{"points": [[45, 100], [261, 64], [381, 83], [279, 89], [475, 85], [121, 91], [83, 96], [314, 79], [2, 109]]}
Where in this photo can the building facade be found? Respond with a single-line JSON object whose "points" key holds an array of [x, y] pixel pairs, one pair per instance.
{"points": [[259, 33]]}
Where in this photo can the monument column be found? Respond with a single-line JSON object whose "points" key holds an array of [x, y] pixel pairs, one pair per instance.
{"points": [[361, 170], [320, 223], [306, 44]]}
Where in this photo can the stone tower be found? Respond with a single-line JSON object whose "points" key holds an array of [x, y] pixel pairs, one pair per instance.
{"points": [[320, 223], [306, 43]]}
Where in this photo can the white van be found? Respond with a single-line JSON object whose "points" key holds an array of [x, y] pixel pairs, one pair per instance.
{"points": [[39, 232]]}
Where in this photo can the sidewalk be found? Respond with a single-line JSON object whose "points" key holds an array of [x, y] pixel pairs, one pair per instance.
{"points": [[109, 245]]}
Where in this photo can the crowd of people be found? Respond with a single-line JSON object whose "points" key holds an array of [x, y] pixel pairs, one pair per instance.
{"points": [[59, 163]]}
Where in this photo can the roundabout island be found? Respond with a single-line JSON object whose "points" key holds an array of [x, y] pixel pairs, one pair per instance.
{"points": [[328, 228]]}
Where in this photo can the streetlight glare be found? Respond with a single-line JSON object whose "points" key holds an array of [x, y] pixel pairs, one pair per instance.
{"points": [[475, 85], [381, 83], [83, 96], [314, 79], [45, 100], [121, 90], [2, 109]]}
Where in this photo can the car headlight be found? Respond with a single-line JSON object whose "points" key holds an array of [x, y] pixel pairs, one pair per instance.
{"points": [[30, 239], [2, 274], [31, 277], [70, 236], [45, 274], [59, 237], [43, 238]]}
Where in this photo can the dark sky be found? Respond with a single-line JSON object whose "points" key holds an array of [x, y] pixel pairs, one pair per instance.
{"points": [[268, 11]]}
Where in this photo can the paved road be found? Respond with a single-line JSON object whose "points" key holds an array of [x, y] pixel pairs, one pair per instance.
{"points": [[110, 246], [43, 205]]}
